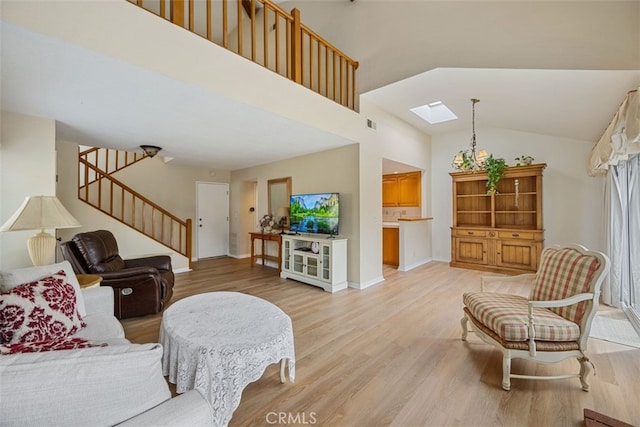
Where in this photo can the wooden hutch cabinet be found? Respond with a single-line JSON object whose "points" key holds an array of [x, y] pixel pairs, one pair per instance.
{"points": [[502, 232]]}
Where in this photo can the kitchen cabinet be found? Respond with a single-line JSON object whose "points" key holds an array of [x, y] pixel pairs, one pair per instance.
{"points": [[391, 246], [402, 189], [502, 232]]}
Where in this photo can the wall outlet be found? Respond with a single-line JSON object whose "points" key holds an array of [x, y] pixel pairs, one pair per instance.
{"points": [[404, 212]]}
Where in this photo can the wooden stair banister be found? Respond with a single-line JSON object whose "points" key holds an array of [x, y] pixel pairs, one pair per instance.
{"points": [[102, 159], [122, 203]]}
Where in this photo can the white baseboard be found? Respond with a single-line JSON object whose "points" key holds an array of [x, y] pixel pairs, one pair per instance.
{"points": [[240, 256], [414, 265], [367, 284], [181, 270], [269, 263]]}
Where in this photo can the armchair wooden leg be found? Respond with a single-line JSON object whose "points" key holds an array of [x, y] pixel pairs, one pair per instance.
{"points": [[585, 369], [463, 322], [506, 371]]}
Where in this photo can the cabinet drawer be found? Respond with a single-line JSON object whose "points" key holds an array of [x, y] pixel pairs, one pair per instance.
{"points": [[516, 235], [469, 233]]}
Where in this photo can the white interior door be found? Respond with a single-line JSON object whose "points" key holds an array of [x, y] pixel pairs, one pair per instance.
{"points": [[213, 219]]}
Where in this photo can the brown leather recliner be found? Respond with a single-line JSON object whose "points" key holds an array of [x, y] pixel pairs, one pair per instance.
{"points": [[141, 286]]}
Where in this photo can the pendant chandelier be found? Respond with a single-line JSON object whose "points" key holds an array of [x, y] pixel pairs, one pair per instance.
{"points": [[474, 161]]}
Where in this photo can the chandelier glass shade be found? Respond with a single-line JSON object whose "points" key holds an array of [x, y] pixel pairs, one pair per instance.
{"points": [[150, 150], [471, 161]]}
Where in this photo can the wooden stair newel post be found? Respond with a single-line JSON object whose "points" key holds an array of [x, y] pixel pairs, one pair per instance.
{"points": [[188, 240], [296, 46]]}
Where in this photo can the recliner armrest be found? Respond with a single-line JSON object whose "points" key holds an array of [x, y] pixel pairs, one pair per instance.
{"points": [[161, 262], [130, 273]]}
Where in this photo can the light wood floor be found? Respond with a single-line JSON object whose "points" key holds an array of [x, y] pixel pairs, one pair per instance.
{"points": [[391, 355]]}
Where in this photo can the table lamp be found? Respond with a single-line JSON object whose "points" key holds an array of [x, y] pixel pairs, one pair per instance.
{"points": [[40, 212]]}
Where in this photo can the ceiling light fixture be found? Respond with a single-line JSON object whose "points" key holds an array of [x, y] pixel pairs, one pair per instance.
{"points": [[464, 161], [150, 150]]}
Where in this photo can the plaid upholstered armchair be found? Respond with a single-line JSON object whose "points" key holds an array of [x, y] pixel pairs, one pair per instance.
{"points": [[553, 324]]}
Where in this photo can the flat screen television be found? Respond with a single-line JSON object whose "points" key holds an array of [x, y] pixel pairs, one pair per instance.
{"points": [[315, 213]]}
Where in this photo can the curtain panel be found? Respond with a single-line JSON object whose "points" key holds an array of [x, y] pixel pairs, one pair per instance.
{"points": [[621, 139], [622, 225]]}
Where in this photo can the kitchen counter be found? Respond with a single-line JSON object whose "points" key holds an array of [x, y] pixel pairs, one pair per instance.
{"points": [[416, 219], [396, 224]]}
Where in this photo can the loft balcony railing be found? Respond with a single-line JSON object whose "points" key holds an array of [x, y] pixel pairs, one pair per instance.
{"points": [[266, 34]]}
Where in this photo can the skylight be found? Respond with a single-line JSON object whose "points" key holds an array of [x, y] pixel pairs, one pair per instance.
{"points": [[435, 112]]}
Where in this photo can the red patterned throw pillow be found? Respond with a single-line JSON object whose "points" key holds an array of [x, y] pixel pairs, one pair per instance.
{"points": [[58, 344], [43, 310]]}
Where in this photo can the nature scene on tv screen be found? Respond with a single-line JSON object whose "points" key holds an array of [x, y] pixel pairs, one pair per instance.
{"points": [[315, 213]]}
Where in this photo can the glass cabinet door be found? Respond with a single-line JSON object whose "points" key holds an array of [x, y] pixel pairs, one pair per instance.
{"points": [[326, 262], [298, 263], [312, 266], [286, 253]]}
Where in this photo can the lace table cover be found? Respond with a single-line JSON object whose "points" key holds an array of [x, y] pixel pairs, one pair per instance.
{"points": [[219, 342]]}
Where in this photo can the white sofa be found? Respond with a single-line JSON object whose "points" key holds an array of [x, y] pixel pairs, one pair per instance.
{"points": [[120, 384]]}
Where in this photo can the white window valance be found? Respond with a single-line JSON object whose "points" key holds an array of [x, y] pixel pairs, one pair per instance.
{"points": [[621, 139]]}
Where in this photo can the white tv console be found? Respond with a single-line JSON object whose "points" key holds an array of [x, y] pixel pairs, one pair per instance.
{"points": [[315, 260]]}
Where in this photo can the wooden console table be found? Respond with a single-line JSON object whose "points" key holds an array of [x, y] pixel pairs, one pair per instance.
{"points": [[265, 237], [88, 280]]}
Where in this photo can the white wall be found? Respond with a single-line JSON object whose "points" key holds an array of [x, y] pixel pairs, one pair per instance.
{"points": [[403, 143], [572, 200], [413, 251], [328, 171], [27, 168], [396, 140], [354, 171]]}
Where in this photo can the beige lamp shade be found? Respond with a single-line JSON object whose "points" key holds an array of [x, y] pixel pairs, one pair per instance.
{"points": [[458, 160], [40, 212], [482, 157]]}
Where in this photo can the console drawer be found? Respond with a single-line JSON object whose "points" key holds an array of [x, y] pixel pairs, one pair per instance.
{"points": [[469, 233], [516, 235]]}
